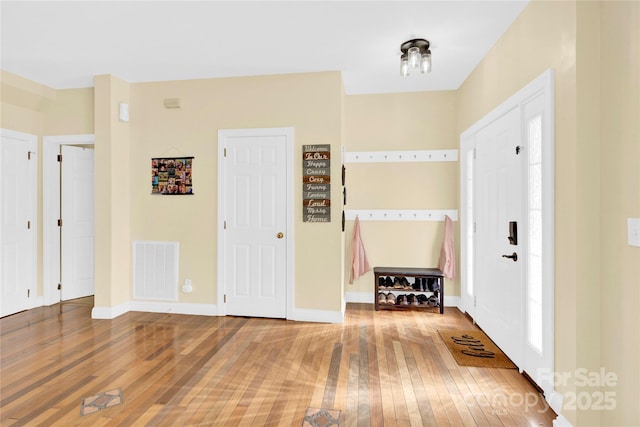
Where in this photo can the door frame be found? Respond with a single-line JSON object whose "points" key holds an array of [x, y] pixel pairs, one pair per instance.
{"points": [[223, 134], [543, 86], [32, 145], [51, 210]]}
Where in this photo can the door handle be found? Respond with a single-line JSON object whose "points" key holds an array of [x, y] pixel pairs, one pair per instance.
{"points": [[513, 256], [280, 235]]}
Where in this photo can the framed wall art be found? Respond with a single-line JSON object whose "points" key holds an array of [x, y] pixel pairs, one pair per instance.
{"points": [[172, 175]]}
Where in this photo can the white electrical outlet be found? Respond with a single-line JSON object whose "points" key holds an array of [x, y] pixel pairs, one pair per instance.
{"points": [[633, 230], [187, 288]]}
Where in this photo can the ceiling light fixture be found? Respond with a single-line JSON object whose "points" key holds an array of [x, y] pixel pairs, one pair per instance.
{"points": [[415, 54]]}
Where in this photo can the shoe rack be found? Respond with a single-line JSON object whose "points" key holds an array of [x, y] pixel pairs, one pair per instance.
{"points": [[399, 288]]}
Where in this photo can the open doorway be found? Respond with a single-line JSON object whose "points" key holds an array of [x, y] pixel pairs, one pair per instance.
{"points": [[68, 255]]}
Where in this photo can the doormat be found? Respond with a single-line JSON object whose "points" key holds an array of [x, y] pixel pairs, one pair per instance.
{"points": [[101, 401], [474, 348], [321, 418]]}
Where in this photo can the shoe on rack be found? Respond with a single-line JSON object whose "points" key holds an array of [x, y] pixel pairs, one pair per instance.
{"points": [[382, 299], [396, 283], [422, 299], [391, 298], [388, 282]]}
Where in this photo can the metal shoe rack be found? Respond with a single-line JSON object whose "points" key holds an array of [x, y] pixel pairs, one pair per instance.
{"points": [[409, 289]]}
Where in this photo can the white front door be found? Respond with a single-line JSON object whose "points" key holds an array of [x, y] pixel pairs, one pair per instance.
{"points": [[18, 220], [77, 233], [500, 264], [255, 219]]}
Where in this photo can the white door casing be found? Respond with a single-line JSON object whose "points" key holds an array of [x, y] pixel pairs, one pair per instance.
{"points": [[77, 232], [51, 270], [255, 222], [467, 224], [535, 106], [18, 221]]}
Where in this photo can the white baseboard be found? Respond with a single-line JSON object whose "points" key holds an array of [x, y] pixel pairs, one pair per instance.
{"points": [[452, 301], [359, 297], [38, 301], [174, 307], [109, 312], [319, 316], [303, 315], [555, 402], [561, 422]]}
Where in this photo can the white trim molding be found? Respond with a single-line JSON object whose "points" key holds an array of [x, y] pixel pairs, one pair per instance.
{"points": [[174, 308], [400, 215], [110, 312], [401, 156], [317, 316]]}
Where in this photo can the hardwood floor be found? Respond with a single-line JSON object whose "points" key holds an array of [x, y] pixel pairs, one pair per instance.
{"points": [[380, 368]]}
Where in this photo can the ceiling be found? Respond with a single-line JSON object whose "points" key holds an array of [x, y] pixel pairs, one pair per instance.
{"points": [[65, 44]]}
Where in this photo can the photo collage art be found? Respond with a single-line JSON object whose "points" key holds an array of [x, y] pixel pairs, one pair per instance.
{"points": [[171, 175]]}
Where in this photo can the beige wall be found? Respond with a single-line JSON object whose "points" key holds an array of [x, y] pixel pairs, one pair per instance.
{"points": [[72, 113], [619, 153], [310, 103], [597, 179], [112, 194], [409, 121]]}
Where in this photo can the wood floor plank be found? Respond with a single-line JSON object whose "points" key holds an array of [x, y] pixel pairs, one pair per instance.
{"points": [[386, 368]]}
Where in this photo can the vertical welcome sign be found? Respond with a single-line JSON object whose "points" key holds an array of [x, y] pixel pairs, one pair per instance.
{"points": [[316, 183]]}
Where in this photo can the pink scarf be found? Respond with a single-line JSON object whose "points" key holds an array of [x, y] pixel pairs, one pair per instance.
{"points": [[359, 261], [447, 262]]}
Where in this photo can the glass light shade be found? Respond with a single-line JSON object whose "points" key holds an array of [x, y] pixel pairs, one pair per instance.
{"points": [[404, 66], [414, 57], [425, 62]]}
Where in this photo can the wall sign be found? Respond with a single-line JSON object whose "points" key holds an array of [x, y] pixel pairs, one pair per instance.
{"points": [[171, 175], [316, 183]]}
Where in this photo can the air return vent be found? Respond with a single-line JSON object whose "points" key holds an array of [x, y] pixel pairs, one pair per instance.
{"points": [[155, 270]]}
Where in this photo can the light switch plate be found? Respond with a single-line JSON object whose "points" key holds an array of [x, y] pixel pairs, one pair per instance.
{"points": [[633, 231]]}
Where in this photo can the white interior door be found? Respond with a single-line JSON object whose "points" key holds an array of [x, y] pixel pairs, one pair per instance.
{"points": [[255, 217], [18, 220], [77, 233], [500, 264]]}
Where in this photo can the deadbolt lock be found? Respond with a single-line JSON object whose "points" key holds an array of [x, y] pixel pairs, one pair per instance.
{"points": [[280, 235]]}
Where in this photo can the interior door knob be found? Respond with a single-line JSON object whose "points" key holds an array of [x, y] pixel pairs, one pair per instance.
{"points": [[513, 256], [280, 235]]}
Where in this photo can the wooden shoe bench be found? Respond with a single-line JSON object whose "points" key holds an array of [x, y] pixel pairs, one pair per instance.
{"points": [[414, 273]]}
